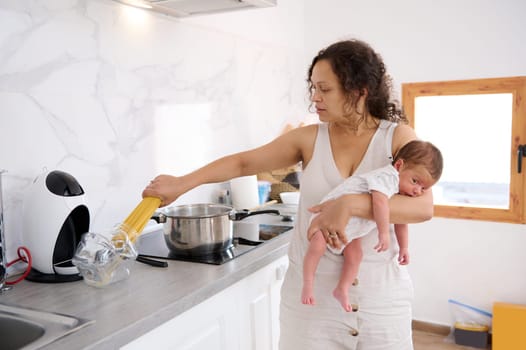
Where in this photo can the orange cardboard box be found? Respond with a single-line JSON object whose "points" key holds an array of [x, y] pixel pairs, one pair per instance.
{"points": [[509, 326]]}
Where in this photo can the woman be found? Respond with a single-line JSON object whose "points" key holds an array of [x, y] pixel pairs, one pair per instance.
{"points": [[358, 132]]}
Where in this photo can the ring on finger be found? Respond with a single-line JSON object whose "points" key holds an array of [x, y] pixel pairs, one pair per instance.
{"points": [[333, 235]]}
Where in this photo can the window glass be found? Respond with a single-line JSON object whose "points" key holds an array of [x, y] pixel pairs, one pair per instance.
{"points": [[473, 133]]}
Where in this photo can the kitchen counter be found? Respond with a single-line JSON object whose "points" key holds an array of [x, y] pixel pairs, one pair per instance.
{"points": [[151, 296]]}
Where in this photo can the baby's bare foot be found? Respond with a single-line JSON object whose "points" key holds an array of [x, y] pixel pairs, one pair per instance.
{"points": [[341, 296], [307, 296]]}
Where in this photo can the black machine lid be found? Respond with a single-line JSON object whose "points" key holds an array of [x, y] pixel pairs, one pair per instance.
{"points": [[63, 184]]}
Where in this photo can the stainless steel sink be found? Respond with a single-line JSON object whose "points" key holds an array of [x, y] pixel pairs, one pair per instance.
{"points": [[24, 328]]}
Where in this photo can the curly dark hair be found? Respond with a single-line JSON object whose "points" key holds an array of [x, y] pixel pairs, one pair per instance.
{"points": [[359, 68]]}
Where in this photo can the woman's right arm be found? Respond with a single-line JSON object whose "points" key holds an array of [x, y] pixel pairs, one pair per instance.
{"points": [[333, 215], [285, 150]]}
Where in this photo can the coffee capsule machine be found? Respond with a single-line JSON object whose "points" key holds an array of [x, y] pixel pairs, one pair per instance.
{"points": [[55, 217]]}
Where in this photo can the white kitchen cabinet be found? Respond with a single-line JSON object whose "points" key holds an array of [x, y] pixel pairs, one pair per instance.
{"points": [[261, 311], [209, 325], [243, 316]]}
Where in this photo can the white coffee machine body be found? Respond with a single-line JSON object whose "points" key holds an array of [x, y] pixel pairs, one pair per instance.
{"points": [[55, 217]]}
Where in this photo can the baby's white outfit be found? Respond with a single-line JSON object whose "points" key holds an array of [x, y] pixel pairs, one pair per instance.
{"points": [[384, 180]]}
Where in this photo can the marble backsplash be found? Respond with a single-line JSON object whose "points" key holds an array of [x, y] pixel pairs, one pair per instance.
{"points": [[115, 95]]}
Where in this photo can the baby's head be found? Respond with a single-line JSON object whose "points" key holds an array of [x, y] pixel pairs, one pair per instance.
{"points": [[419, 164]]}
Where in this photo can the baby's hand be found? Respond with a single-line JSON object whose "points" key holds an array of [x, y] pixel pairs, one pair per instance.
{"points": [[383, 242], [403, 256]]}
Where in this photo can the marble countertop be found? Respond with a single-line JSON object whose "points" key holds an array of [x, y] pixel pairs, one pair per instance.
{"points": [[151, 296]]}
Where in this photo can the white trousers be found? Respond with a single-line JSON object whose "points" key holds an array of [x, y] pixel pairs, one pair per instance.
{"points": [[383, 321]]}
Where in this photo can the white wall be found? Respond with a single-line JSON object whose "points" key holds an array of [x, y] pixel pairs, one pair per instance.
{"points": [[115, 95], [474, 262]]}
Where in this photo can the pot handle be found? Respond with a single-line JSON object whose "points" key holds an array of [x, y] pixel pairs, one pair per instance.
{"points": [[240, 215], [159, 218]]}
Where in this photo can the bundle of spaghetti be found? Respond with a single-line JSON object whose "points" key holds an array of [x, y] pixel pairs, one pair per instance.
{"points": [[133, 225]]}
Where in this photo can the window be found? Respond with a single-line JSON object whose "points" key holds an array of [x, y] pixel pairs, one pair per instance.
{"points": [[480, 127]]}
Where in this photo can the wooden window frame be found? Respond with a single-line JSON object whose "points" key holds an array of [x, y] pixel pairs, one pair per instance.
{"points": [[516, 213]]}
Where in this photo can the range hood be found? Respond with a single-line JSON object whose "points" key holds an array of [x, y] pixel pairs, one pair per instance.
{"points": [[184, 8]]}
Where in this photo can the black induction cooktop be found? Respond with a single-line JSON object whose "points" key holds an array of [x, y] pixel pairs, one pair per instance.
{"points": [[247, 236]]}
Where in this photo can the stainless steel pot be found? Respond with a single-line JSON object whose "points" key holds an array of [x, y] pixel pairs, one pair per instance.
{"points": [[201, 229]]}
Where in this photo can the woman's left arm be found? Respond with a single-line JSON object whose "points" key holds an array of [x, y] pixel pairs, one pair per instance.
{"points": [[333, 215], [411, 210]]}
